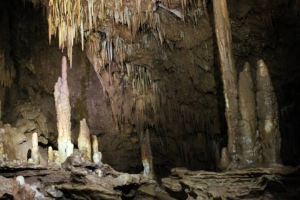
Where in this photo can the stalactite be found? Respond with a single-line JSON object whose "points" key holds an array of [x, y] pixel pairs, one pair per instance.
{"points": [[223, 33], [84, 140], [267, 113], [63, 111], [247, 124]]}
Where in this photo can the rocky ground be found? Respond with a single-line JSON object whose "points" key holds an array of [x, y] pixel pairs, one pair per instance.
{"points": [[80, 179]]}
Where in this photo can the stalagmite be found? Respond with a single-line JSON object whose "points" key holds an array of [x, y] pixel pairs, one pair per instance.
{"points": [[247, 124], [35, 154], [97, 155], [223, 33], [267, 113], [50, 154], [63, 111], [147, 155], [224, 162], [84, 140]]}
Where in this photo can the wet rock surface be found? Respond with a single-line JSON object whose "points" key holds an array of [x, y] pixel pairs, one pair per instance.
{"points": [[76, 179], [256, 183]]}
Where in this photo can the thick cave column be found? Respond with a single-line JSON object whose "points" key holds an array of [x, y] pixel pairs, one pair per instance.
{"points": [[247, 123], [63, 111], [267, 113], [229, 76]]}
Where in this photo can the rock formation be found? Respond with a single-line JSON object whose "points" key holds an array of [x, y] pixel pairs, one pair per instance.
{"points": [[35, 154], [97, 155], [229, 77], [267, 113], [50, 154], [146, 152], [247, 123], [84, 140], [63, 110]]}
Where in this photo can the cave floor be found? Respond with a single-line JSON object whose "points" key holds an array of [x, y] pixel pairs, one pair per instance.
{"points": [[90, 181]]}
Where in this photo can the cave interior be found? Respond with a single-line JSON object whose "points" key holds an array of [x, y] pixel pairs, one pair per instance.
{"points": [[161, 99]]}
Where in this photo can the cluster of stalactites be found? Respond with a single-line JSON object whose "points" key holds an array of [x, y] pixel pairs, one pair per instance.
{"points": [[7, 71], [69, 18]]}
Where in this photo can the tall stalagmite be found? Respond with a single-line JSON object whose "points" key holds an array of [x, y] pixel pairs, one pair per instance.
{"points": [[247, 123], [84, 140], [35, 154], [147, 154], [63, 111], [229, 77], [267, 113]]}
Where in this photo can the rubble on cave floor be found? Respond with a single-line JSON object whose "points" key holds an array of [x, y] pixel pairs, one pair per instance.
{"points": [[77, 178]]}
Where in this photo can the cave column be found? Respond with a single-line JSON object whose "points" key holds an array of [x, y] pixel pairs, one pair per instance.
{"points": [[229, 76]]}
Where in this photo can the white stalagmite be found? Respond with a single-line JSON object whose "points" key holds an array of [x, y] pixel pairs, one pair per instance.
{"points": [[35, 154], [63, 111], [97, 155], [84, 140], [50, 154], [267, 114]]}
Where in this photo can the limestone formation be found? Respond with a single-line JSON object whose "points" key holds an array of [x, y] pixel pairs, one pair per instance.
{"points": [[35, 154], [247, 122], [229, 76], [267, 113], [225, 161], [97, 155], [63, 111], [146, 152], [84, 140], [50, 154]]}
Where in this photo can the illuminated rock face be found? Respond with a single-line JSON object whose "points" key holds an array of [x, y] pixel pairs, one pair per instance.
{"points": [[63, 111], [267, 113], [84, 141]]}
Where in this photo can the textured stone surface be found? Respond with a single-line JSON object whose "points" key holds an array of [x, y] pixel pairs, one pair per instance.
{"points": [[256, 183]]}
